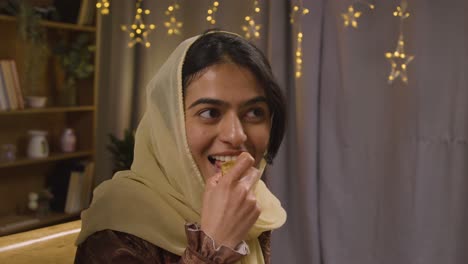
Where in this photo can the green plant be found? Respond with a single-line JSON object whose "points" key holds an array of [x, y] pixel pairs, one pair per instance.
{"points": [[122, 150], [35, 45], [76, 57], [76, 61]]}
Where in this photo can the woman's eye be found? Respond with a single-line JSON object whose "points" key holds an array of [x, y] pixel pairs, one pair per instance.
{"points": [[256, 114], [210, 113]]}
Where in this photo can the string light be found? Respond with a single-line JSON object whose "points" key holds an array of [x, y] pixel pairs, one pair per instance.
{"points": [[351, 16], [299, 55], [251, 28], [398, 59], [211, 13], [173, 25], [103, 5], [298, 11], [138, 31]]}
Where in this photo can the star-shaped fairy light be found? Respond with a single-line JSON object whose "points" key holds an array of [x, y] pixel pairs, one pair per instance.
{"points": [[398, 59], [351, 16], [298, 11], [138, 31], [401, 11], [173, 25], [103, 5], [251, 28], [210, 14]]}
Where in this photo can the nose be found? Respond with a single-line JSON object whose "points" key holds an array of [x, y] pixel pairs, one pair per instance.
{"points": [[231, 130]]}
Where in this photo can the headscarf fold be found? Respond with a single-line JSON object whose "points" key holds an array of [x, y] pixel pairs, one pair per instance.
{"points": [[164, 188]]}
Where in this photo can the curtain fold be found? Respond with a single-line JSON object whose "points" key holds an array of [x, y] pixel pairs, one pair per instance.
{"points": [[392, 157], [116, 82], [294, 174]]}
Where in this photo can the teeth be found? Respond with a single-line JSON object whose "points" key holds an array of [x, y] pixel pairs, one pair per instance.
{"points": [[224, 158]]}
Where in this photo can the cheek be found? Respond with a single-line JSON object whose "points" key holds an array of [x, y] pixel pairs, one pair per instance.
{"points": [[260, 137], [197, 138]]}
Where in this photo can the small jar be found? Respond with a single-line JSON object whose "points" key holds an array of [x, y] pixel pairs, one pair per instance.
{"points": [[68, 140], [38, 147], [8, 153]]}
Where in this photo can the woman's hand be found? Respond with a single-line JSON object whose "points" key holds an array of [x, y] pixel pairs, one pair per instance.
{"points": [[230, 207]]}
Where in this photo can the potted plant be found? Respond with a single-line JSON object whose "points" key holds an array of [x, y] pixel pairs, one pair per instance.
{"points": [[122, 150], [36, 52], [76, 61]]}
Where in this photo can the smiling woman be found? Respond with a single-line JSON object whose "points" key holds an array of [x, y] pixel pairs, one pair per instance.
{"points": [[214, 100], [227, 114]]}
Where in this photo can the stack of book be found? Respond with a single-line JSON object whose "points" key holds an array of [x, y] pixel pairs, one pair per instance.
{"points": [[11, 95], [79, 189]]}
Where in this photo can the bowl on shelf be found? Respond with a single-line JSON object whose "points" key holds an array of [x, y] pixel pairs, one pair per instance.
{"points": [[36, 101]]}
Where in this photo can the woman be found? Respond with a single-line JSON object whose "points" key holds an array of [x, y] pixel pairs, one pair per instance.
{"points": [[213, 100]]}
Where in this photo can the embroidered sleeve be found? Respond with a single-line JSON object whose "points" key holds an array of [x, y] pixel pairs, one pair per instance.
{"points": [[110, 246], [202, 249]]}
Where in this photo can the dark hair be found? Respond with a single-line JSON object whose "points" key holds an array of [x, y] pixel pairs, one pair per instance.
{"points": [[220, 47]]}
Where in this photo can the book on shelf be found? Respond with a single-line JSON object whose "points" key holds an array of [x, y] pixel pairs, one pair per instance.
{"points": [[3, 94], [79, 188], [11, 95], [19, 92], [9, 84], [87, 184]]}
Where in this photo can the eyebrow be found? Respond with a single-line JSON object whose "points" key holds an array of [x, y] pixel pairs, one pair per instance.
{"points": [[255, 100]]}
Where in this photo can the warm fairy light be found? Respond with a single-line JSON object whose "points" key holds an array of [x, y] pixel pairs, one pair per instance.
{"points": [[173, 25], [351, 16], [299, 55], [210, 18], [398, 59], [103, 5], [401, 11], [138, 31], [251, 28], [298, 11]]}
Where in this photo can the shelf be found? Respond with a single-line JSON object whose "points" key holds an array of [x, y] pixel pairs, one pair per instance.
{"points": [[52, 157], [19, 223], [53, 24], [49, 110]]}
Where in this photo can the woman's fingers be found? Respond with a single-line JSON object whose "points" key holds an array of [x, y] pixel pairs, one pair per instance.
{"points": [[230, 207], [243, 162], [250, 178]]}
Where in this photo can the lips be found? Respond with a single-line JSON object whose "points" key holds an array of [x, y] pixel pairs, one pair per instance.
{"points": [[217, 160]]}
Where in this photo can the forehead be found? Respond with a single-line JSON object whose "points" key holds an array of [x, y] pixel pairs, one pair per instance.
{"points": [[225, 81]]}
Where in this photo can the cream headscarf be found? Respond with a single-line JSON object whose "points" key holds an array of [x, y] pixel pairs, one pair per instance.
{"points": [[163, 190]]}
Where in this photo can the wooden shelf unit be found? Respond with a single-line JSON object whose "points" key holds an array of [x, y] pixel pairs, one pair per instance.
{"points": [[51, 158], [25, 175], [53, 24], [44, 110]]}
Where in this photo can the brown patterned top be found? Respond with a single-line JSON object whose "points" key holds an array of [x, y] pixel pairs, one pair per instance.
{"points": [[110, 246]]}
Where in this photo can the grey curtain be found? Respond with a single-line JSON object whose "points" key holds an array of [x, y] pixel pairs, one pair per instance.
{"points": [[376, 173], [294, 174]]}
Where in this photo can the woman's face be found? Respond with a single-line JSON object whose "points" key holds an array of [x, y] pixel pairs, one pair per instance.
{"points": [[226, 113]]}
